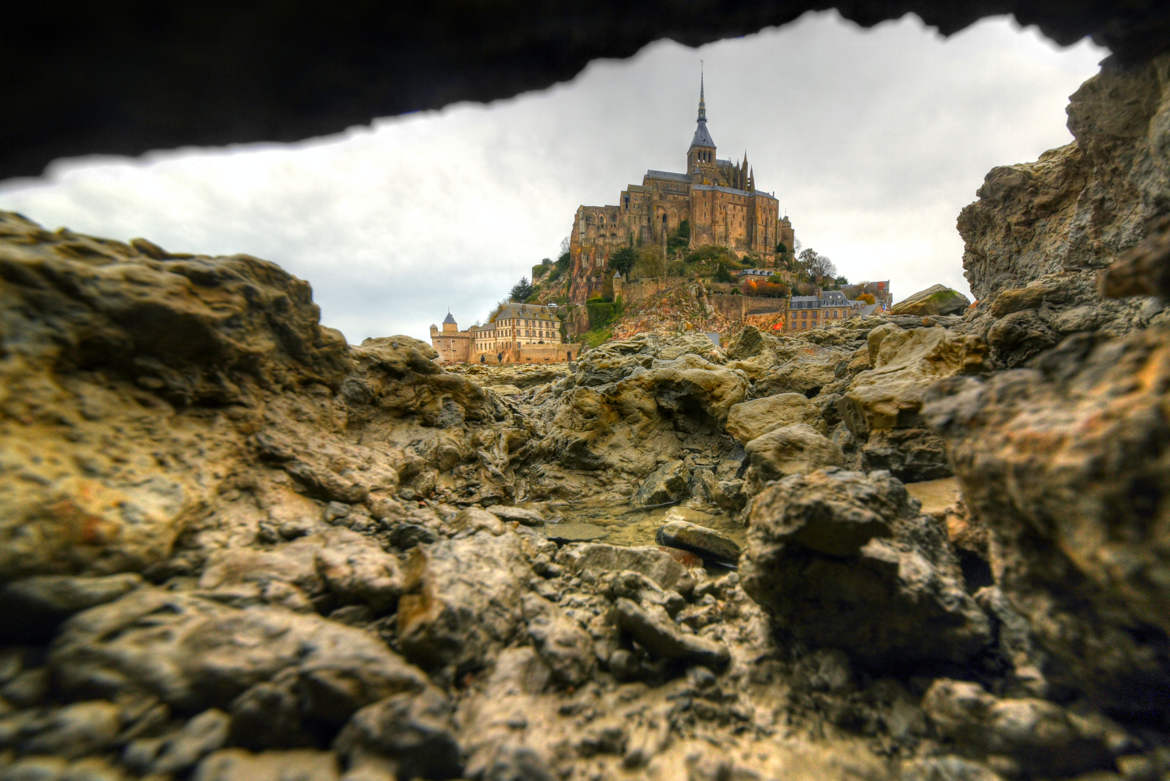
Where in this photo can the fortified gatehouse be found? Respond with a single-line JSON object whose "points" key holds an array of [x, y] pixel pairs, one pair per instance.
{"points": [[514, 333], [718, 199]]}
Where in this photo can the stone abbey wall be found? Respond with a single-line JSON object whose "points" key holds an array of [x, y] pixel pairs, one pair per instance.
{"points": [[717, 198]]}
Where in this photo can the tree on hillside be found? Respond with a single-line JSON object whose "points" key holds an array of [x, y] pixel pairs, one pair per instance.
{"points": [[706, 259], [622, 261], [816, 267], [522, 290], [680, 239], [565, 246], [649, 262]]}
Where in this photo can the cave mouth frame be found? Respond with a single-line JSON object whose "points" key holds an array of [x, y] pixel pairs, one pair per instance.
{"points": [[136, 94]]}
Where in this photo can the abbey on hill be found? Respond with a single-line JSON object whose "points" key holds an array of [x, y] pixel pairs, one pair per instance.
{"points": [[718, 198]]}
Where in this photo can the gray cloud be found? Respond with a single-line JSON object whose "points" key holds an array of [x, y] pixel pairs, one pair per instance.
{"points": [[871, 140]]}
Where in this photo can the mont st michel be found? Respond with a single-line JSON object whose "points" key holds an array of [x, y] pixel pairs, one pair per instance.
{"points": [[926, 540]]}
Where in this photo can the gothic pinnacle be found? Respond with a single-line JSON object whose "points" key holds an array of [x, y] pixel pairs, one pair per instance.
{"points": [[702, 101]]}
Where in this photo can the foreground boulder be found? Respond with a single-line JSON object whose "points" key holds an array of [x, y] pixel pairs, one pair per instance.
{"points": [[934, 300], [1040, 232], [749, 419], [193, 653], [1077, 207], [706, 543], [882, 405], [844, 560], [462, 597], [1035, 736], [1067, 465]]}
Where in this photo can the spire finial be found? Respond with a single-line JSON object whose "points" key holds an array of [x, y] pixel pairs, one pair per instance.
{"points": [[702, 101]]}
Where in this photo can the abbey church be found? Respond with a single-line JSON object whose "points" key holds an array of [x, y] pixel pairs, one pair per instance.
{"points": [[718, 198]]}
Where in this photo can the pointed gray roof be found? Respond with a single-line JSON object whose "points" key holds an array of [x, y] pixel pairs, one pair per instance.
{"points": [[702, 137], [448, 319]]}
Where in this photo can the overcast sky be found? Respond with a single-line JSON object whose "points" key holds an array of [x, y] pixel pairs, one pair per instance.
{"points": [[872, 141]]}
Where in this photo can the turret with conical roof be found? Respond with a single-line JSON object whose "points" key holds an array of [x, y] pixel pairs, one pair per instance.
{"points": [[701, 154]]}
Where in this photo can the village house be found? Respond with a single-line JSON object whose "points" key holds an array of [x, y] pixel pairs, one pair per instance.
{"points": [[807, 312], [514, 333]]}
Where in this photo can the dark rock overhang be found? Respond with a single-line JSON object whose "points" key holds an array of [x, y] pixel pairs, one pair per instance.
{"points": [[112, 79]]}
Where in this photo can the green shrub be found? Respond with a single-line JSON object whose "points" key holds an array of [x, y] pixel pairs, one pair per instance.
{"points": [[594, 337], [680, 239], [602, 312], [622, 260]]}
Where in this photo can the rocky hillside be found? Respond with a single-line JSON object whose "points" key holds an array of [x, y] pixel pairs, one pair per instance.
{"points": [[901, 547]]}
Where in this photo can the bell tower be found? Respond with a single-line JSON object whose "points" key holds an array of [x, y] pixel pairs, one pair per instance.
{"points": [[701, 155]]}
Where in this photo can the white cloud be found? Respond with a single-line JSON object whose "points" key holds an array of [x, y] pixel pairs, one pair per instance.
{"points": [[872, 140]]}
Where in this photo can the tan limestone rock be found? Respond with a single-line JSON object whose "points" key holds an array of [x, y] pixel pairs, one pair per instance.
{"points": [[749, 419]]}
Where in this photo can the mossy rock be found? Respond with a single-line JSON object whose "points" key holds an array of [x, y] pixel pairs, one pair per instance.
{"points": [[935, 300]]}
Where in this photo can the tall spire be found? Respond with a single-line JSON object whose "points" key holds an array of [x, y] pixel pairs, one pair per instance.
{"points": [[702, 102], [702, 137]]}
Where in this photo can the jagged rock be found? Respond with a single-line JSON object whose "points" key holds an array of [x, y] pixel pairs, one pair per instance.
{"points": [[202, 327], [881, 406], [789, 450], [74, 730], [59, 523], [692, 386], [707, 543], [910, 454], [398, 375], [631, 403], [1015, 642], [642, 590], [413, 731], [1040, 736], [1143, 270], [361, 574], [45, 768], [793, 366], [512, 763], [946, 769], [598, 557], [1018, 337], [656, 632], [844, 560], [180, 752], [348, 567], [472, 520], [745, 343], [934, 300], [32, 608], [235, 764], [564, 646], [1078, 206], [668, 483], [1066, 466], [749, 419], [193, 653], [461, 598], [906, 363]]}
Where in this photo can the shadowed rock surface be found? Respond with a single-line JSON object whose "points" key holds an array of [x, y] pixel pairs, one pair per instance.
{"points": [[274, 72]]}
